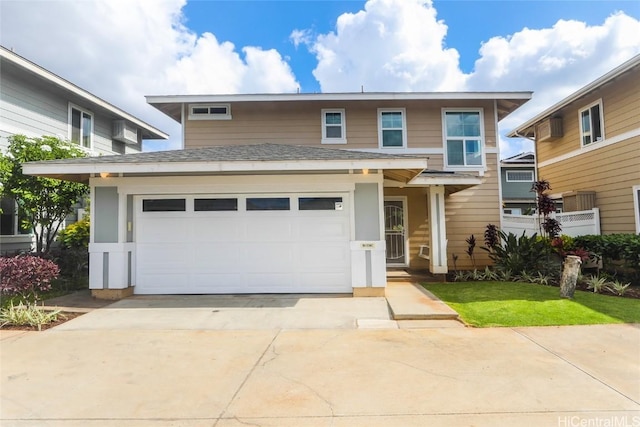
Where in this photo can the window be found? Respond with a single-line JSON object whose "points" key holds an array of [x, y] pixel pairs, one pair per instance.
{"points": [[512, 211], [268, 204], [80, 126], [208, 205], [164, 205], [210, 112], [333, 127], [392, 128], [519, 176], [464, 138], [591, 124], [11, 218], [319, 203]]}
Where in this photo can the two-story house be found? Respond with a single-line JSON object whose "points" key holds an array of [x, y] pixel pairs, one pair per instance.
{"points": [[36, 102], [295, 192], [588, 148], [517, 175]]}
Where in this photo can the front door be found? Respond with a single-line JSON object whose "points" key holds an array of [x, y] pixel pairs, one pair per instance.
{"points": [[395, 231]]}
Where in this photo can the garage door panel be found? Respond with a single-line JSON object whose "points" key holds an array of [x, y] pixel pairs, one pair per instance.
{"points": [[268, 282], [217, 229], [222, 257], [323, 229], [268, 228], [163, 283], [268, 257], [157, 257]]}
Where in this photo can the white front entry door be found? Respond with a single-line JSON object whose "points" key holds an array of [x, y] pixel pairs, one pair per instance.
{"points": [[274, 243]]}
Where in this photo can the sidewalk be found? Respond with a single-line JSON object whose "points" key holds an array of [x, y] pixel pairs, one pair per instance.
{"points": [[412, 302]]}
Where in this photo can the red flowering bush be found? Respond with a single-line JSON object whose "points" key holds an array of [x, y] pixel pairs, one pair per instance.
{"points": [[26, 276]]}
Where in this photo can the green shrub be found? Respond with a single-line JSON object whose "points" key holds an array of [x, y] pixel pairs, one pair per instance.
{"points": [[615, 247], [75, 235]]}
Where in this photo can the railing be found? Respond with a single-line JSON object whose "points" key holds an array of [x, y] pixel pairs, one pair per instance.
{"points": [[573, 224]]}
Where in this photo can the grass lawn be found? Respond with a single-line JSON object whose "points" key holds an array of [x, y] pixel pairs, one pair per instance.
{"points": [[485, 304]]}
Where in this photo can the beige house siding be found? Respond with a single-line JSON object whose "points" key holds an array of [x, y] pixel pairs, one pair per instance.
{"points": [[611, 172], [620, 106], [301, 124]]}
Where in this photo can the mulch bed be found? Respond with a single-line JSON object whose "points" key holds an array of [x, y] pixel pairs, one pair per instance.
{"points": [[64, 316]]}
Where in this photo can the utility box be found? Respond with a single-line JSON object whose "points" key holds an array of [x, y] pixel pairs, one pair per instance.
{"points": [[578, 201], [549, 129]]}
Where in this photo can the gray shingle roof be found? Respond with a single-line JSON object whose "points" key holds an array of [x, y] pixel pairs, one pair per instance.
{"points": [[231, 153]]}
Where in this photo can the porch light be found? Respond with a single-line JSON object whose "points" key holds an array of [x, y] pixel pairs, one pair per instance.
{"points": [[365, 171], [104, 174]]}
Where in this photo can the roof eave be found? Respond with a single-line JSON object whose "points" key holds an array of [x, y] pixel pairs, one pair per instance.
{"points": [[525, 130], [149, 132]]}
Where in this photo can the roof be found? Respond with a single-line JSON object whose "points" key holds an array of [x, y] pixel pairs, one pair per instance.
{"points": [[258, 158], [29, 68], [171, 105], [528, 158], [527, 128]]}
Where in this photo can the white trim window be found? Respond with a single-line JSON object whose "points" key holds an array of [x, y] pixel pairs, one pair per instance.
{"points": [[392, 128], [334, 128], [636, 206], [209, 112], [80, 126], [463, 138], [519, 176], [591, 123]]}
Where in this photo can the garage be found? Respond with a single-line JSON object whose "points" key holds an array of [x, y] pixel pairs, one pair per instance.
{"points": [[246, 243]]}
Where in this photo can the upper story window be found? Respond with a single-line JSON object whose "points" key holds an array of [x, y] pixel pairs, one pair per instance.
{"points": [[464, 138], [80, 126], [333, 127], [591, 123], [392, 128], [519, 176], [209, 112]]}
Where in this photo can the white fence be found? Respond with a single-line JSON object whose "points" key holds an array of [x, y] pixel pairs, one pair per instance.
{"points": [[573, 224]]}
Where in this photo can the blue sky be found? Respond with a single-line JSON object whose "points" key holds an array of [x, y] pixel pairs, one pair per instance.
{"points": [[157, 47]]}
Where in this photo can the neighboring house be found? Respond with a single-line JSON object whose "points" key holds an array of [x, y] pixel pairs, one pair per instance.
{"points": [[35, 102], [295, 193], [588, 148], [518, 174]]}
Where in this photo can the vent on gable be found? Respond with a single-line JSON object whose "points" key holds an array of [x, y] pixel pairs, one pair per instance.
{"points": [[125, 132], [549, 129]]}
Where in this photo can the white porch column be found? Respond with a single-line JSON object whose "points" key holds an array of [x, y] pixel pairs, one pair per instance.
{"points": [[438, 231]]}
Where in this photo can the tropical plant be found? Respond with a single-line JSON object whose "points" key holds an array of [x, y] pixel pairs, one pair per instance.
{"points": [[43, 202], [618, 287], [76, 235], [545, 206], [518, 254], [596, 283], [526, 277], [25, 276], [28, 315], [471, 245]]}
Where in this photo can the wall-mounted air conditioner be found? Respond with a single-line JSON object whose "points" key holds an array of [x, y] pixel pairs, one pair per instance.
{"points": [[549, 129], [125, 132]]}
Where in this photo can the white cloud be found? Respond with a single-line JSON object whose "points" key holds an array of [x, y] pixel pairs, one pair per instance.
{"points": [[121, 50], [398, 45], [391, 45], [553, 62]]}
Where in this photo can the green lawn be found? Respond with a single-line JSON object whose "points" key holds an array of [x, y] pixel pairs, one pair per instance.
{"points": [[486, 304]]}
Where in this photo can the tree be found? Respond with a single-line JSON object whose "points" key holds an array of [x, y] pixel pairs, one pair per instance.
{"points": [[43, 202]]}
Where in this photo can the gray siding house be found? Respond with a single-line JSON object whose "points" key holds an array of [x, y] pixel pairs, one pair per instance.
{"points": [[36, 102], [517, 174]]}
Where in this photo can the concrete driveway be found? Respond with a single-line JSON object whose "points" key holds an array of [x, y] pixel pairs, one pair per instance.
{"points": [[88, 373]]}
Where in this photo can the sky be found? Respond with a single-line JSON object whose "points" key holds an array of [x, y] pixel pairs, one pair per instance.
{"points": [[123, 50]]}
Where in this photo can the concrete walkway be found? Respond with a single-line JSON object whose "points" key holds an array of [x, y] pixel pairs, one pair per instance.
{"points": [[409, 301]]}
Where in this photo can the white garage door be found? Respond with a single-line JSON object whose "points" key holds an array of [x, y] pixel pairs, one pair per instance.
{"points": [[243, 244]]}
